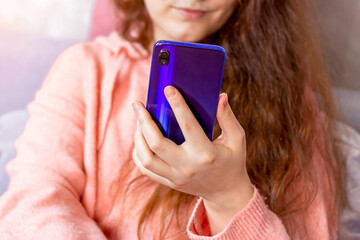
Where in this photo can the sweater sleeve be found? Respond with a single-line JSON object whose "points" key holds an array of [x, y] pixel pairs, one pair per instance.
{"points": [[47, 177], [257, 222], [254, 222]]}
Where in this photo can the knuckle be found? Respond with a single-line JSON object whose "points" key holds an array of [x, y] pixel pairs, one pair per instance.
{"points": [[189, 174], [208, 158], [188, 126], [147, 163], [228, 114], [179, 182], [156, 145], [176, 103]]}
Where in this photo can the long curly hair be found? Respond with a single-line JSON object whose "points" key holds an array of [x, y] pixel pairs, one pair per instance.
{"points": [[279, 90]]}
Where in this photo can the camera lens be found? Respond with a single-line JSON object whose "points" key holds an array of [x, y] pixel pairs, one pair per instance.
{"points": [[164, 53], [164, 57], [163, 62]]}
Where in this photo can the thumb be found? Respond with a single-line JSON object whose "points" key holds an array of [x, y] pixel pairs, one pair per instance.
{"points": [[231, 128]]}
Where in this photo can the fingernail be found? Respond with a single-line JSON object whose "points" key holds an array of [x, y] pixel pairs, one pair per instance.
{"points": [[137, 124], [170, 92], [226, 101], [136, 107]]}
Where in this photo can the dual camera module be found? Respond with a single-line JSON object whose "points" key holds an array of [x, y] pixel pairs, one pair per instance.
{"points": [[164, 57]]}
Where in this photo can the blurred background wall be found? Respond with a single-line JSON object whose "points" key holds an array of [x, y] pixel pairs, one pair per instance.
{"points": [[32, 34], [339, 21], [67, 19]]}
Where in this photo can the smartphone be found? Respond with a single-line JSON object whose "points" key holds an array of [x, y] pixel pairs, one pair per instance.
{"points": [[196, 70]]}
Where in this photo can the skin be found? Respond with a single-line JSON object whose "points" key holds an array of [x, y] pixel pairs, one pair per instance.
{"points": [[215, 171], [170, 24]]}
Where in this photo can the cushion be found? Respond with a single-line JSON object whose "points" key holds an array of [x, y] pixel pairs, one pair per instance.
{"points": [[347, 141], [103, 19], [339, 23], [348, 104], [25, 60]]}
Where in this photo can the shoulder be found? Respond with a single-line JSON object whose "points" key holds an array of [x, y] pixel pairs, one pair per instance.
{"points": [[104, 47], [95, 57], [100, 54], [89, 67], [107, 46]]}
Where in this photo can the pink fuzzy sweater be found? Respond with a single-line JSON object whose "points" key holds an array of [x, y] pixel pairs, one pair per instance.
{"points": [[69, 161]]}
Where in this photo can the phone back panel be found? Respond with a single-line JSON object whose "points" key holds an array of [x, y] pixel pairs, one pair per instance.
{"points": [[196, 71]]}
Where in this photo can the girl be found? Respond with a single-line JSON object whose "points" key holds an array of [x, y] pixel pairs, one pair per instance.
{"points": [[85, 171]]}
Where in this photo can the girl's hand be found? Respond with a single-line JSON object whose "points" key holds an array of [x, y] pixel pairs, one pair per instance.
{"points": [[214, 171]]}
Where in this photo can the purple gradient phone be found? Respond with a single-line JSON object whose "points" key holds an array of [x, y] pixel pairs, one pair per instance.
{"points": [[196, 70]]}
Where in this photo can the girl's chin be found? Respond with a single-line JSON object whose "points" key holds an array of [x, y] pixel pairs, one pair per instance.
{"points": [[189, 37], [186, 34]]}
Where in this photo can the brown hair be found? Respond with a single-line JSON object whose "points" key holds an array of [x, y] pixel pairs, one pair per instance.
{"points": [[279, 89]]}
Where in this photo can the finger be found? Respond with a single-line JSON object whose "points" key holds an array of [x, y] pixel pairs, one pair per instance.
{"points": [[161, 146], [148, 159], [231, 128], [148, 173], [189, 125]]}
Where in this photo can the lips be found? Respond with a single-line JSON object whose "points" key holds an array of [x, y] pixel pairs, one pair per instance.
{"points": [[190, 14]]}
